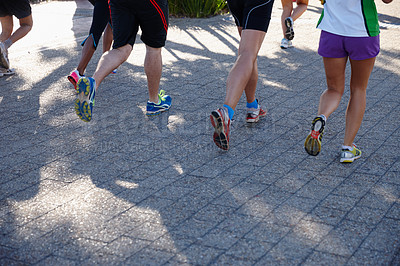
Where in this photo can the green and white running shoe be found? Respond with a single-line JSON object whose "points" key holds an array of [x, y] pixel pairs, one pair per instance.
{"points": [[163, 105]]}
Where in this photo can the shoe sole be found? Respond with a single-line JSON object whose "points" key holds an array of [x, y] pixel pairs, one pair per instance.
{"points": [[289, 34], [219, 136], [313, 145], [253, 120], [348, 160], [82, 108], [7, 73], [73, 82], [4, 62]]}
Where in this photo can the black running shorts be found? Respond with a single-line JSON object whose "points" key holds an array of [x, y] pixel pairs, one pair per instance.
{"points": [[18, 8], [251, 14], [150, 15], [101, 17]]}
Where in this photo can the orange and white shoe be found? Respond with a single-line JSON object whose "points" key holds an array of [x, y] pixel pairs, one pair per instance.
{"points": [[313, 140], [254, 114], [74, 77], [221, 123]]}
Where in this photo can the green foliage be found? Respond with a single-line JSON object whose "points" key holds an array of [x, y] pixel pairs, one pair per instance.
{"points": [[37, 1], [196, 8]]}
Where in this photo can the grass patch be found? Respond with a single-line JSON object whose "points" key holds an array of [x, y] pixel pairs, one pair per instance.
{"points": [[196, 8]]}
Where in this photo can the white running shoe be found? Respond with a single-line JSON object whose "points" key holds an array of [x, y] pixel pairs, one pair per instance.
{"points": [[4, 57], [285, 44]]}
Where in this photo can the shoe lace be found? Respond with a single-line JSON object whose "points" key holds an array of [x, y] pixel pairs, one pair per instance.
{"points": [[161, 94]]}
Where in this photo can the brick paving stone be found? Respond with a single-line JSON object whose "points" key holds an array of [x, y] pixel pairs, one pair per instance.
{"points": [[219, 238], [394, 212], [388, 240], [55, 260], [249, 249], [123, 247], [287, 251], [268, 231], [345, 239], [198, 254], [366, 215], [376, 201], [292, 184], [178, 260], [239, 224], [318, 258], [356, 184], [214, 212], [174, 243], [325, 215], [229, 260], [7, 261], [312, 231], [149, 256], [5, 251], [373, 257], [263, 176], [391, 177], [339, 202]]}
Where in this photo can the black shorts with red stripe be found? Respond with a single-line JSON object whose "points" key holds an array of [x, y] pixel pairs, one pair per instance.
{"points": [[101, 17], [251, 14], [150, 15]]}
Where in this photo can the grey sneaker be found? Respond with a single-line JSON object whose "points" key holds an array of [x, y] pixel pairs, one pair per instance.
{"points": [[254, 114], [4, 57], [285, 43], [6, 72]]}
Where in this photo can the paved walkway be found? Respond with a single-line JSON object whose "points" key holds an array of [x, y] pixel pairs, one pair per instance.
{"points": [[126, 189]]}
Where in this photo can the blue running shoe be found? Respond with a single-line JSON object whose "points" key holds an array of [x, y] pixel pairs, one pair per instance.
{"points": [[163, 105], [86, 89]]}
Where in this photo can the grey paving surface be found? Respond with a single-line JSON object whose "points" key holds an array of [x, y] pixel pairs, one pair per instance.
{"points": [[126, 189]]}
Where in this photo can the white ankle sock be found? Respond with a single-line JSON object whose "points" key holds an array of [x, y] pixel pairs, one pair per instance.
{"points": [[347, 147]]}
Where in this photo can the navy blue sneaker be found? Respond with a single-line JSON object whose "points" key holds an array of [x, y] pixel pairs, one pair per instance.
{"points": [[86, 89], [163, 105]]}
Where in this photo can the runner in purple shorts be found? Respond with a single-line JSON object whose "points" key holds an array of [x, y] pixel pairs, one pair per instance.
{"points": [[9, 8], [350, 31], [127, 16], [252, 19], [101, 22]]}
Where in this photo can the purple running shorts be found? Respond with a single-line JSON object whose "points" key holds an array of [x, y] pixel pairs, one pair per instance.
{"points": [[356, 48]]}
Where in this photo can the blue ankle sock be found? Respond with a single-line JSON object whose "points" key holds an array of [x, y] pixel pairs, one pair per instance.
{"points": [[230, 111], [252, 105]]}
